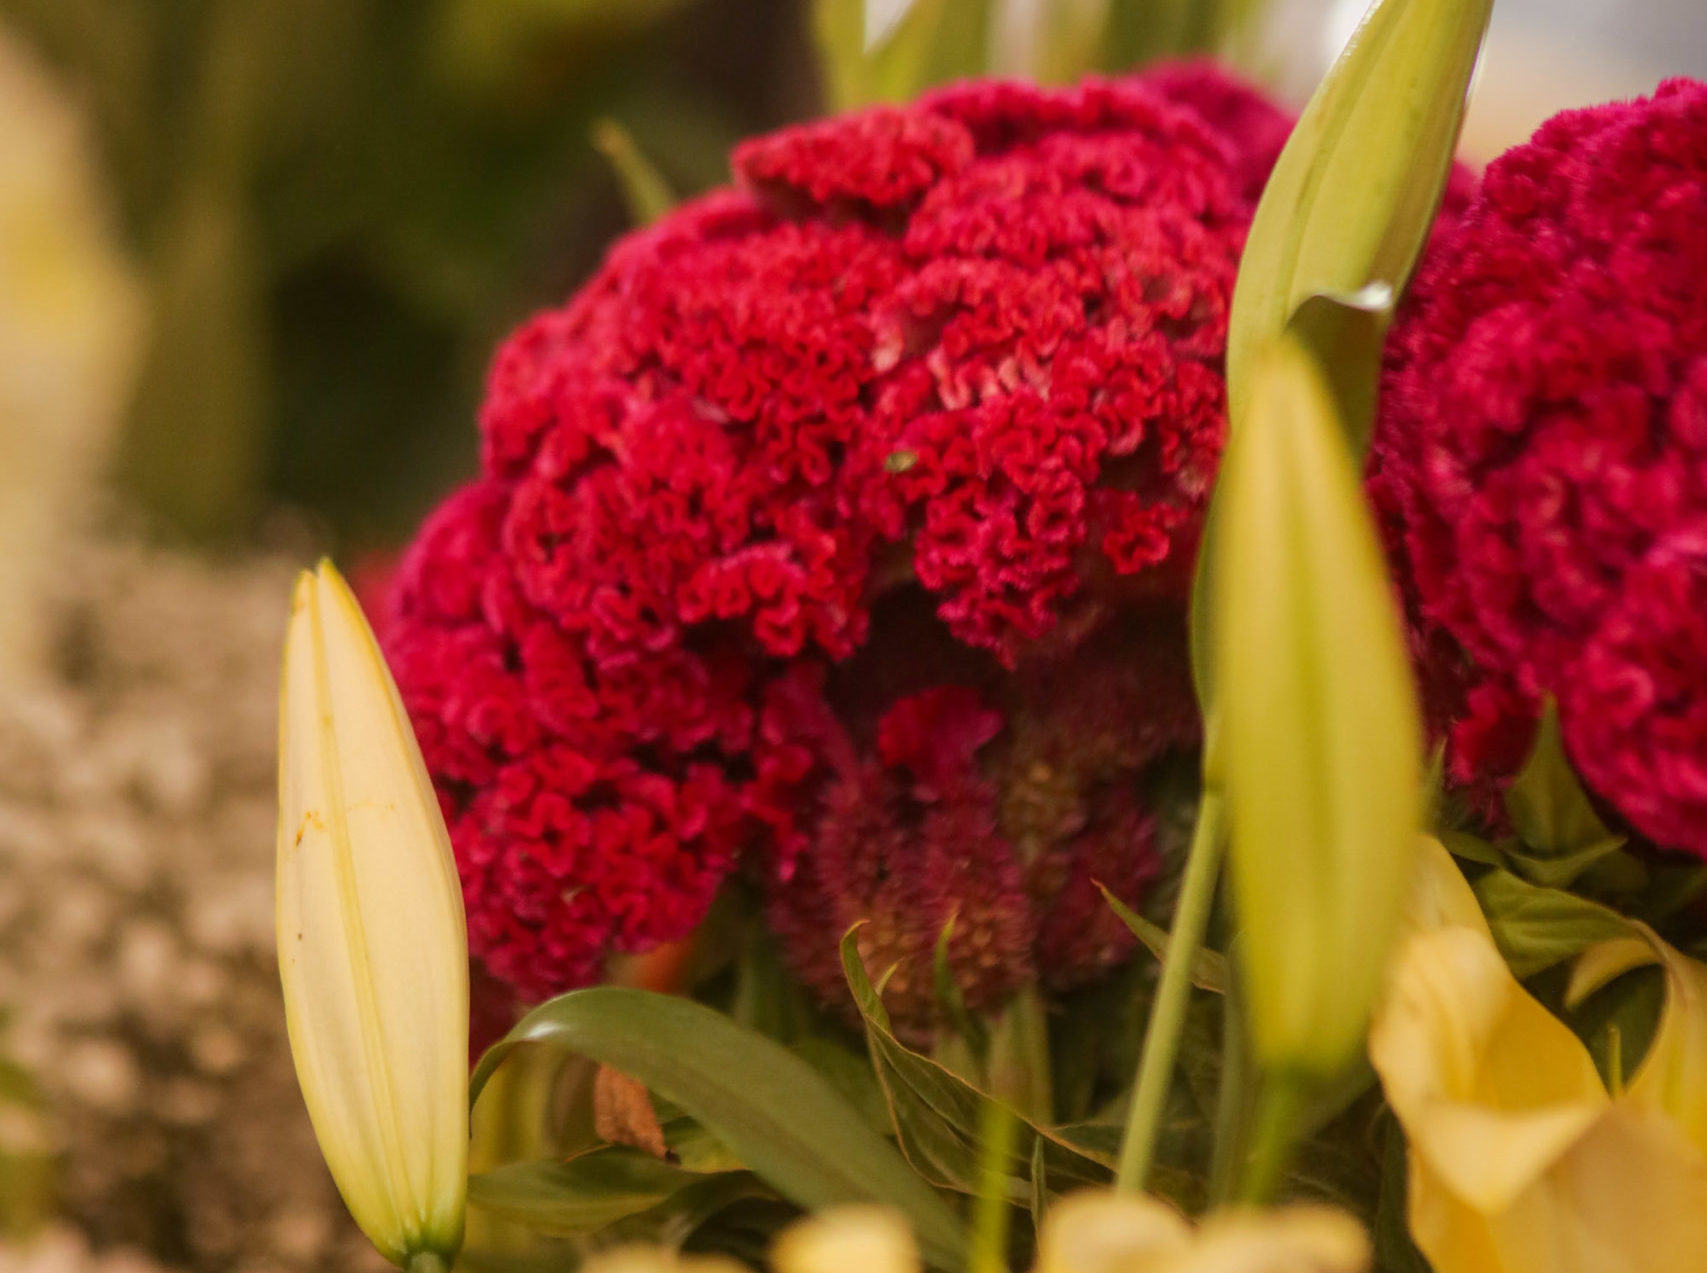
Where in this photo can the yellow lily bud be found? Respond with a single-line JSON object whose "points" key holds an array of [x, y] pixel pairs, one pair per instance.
{"points": [[1319, 730], [1130, 1233], [1351, 199], [1519, 1161], [867, 1238], [373, 947]]}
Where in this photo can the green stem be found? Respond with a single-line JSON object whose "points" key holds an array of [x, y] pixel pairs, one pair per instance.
{"points": [[1031, 1027], [1233, 1101], [1282, 1106], [1173, 994], [992, 1213]]}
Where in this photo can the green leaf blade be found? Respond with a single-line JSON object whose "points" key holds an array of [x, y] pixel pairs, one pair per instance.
{"points": [[767, 1106]]}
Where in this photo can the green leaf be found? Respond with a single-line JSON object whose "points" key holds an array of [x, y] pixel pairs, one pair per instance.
{"points": [[1536, 927], [850, 1075], [935, 41], [684, 1213], [644, 189], [1208, 971], [772, 1110], [1320, 733], [1356, 189], [939, 1117], [1472, 848], [581, 1195], [1552, 813]]}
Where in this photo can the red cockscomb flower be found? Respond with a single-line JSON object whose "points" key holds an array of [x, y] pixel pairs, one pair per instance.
{"points": [[1542, 458], [967, 352], [1004, 820]]}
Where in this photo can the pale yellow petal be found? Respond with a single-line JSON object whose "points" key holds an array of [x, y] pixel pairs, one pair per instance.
{"points": [[1300, 1239], [1104, 1232], [659, 1259], [851, 1239], [1491, 1088], [1628, 1196], [1440, 896], [372, 943]]}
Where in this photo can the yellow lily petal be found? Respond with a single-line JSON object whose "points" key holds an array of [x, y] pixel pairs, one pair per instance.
{"points": [[373, 950], [1440, 896], [1519, 1160], [1096, 1232], [658, 1259], [1488, 1084], [869, 1239], [1300, 1239], [1105, 1232], [1672, 1078]]}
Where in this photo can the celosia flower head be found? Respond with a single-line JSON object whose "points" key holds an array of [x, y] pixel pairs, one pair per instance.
{"points": [[1541, 458], [958, 360]]}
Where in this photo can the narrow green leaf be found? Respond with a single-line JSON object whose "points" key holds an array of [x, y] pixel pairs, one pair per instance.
{"points": [[580, 1195], [1536, 928], [644, 189], [1353, 196], [772, 1110], [939, 1116], [1472, 848], [1208, 970], [1320, 734], [1039, 1185], [1552, 813]]}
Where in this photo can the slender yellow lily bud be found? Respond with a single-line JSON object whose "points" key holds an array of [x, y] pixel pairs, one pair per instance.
{"points": [[1353, 194], [1320, 734], [373, 947]]}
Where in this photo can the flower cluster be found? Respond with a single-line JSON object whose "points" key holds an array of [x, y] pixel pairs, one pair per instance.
{"points": [[800, 527], [1542, 459]]}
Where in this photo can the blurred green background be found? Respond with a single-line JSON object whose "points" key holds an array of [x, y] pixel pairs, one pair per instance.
{"points": [[336, 208]]}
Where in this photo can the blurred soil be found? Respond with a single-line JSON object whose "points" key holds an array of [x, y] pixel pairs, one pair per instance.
{"points": [[137, 974]]}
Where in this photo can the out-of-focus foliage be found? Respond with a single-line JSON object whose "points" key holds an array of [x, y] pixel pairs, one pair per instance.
{"points": [[920, 43], [340, 205], [69, 319]]}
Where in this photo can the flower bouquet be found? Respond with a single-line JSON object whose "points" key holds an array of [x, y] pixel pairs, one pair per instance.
{"points": [[1107, 679]]}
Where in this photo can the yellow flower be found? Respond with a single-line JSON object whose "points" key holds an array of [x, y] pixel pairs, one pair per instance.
{"points": [[1126, 1233], [1520, 1161], [373, 949], [844, 1239], [1097, 1232]]}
